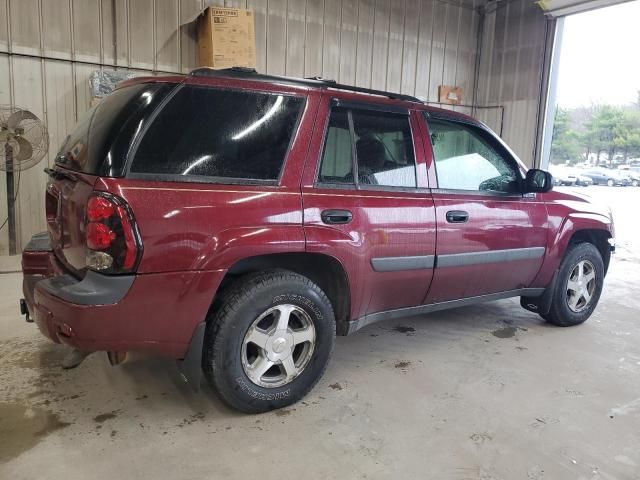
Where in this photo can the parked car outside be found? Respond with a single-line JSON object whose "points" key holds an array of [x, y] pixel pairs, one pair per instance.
{"points": [[633, 173], [238, 222], [605, 176], [569, 176], [562, 175]]}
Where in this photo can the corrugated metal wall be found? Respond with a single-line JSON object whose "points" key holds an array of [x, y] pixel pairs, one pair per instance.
{"points": [[511, 69], [48, 48]]}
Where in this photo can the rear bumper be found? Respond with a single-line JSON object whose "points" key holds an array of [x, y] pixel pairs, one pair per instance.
{"points": [[155, 313]]}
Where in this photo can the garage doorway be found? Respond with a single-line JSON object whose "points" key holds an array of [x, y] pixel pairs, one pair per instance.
{"points": [[593, 102], [592, 134]]}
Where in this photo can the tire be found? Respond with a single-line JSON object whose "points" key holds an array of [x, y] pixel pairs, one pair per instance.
{"points": [[569, 308], [611, 183], [250, 309], [635, 183]]}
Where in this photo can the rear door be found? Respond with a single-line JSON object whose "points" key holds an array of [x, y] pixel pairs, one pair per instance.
{"points": [[366, 202], [491, 237]]}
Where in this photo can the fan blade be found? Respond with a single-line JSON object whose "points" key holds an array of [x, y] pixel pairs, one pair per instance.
{"points": [[14, 120], [26, 150]]}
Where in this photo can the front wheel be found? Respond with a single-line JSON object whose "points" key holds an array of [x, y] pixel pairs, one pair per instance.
{"points": [[611, 183], [270, 341], [635, 183], [579, 285]]}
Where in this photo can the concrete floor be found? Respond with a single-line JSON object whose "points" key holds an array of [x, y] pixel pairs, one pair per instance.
{"points": [[485, 392]]}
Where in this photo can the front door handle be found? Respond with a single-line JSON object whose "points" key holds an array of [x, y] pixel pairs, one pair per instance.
{"points": [[336, 217], [457, 216]]}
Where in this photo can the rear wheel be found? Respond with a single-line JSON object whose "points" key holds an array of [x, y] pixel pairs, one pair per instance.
{"points": [[611, 183], [578, 288], [270, 341], [635, 183]]}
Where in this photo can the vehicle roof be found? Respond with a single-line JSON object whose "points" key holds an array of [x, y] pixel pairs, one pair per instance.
{"points": [[248, 75]]}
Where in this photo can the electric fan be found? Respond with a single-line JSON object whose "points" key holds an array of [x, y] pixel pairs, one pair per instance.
{"points": [[23, 143]]}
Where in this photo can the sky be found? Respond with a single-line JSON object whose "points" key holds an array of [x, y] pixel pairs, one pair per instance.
{"points": [[600, 57]]}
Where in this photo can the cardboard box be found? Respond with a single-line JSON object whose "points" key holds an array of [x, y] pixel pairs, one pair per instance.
{"points": [[450, 95], [226, 38]]}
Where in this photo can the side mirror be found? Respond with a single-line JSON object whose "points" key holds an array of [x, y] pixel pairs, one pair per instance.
{"points": [[538, 181]]}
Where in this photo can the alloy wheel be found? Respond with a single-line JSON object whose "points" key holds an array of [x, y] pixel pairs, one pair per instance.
{"points": [[581, 286], [278, 346]]}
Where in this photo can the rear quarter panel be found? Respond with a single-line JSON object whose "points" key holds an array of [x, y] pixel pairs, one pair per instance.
{"points": [[209, 226]]}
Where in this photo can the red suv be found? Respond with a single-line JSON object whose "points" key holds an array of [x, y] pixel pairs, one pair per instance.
{"points": [[237, 222]]}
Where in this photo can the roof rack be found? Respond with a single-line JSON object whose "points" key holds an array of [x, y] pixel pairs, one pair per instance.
{"points": [[319, 82]]}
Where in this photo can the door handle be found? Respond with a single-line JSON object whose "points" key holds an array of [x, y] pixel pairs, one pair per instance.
{"points": [[336, 217], [457, 216]]}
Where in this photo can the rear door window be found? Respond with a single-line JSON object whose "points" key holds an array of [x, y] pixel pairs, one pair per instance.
{"points": [[381, 142], [219, 133], [337, 157], [384, 148]]}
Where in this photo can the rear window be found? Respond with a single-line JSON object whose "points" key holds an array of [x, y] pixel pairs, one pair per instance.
{"points": [[101, 139], [227, 134]]}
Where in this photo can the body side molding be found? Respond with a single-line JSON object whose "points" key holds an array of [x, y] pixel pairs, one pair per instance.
{"points": [[490, 256], [395, 264]]}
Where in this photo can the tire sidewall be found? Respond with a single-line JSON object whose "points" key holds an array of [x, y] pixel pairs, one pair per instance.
{"points": [[561, 314], [228, 374]]}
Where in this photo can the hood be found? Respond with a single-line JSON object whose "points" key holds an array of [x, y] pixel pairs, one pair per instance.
{"points": [[579, 202]]}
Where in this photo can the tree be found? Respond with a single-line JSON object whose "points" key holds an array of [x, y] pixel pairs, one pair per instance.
{"points": [[565, 145], [627, 134], [602, 129], [599, 129]]}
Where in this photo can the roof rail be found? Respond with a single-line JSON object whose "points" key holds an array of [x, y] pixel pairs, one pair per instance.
{"points": [[318, 82]]}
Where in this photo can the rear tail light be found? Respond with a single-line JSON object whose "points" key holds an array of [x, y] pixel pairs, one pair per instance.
{"points": [[112, 239]]}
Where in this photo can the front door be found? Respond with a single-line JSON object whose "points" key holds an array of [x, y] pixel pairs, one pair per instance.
{"points": [[491, 237], [366, 203]]}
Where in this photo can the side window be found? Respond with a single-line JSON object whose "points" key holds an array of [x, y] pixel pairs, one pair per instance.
{"points": [[220, 133], [337, 162], [466, 161], [383, 147]]}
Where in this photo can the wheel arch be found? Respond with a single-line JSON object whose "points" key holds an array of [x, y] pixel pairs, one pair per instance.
{"points": [[324, 270], [575, 228], [597, 237]]}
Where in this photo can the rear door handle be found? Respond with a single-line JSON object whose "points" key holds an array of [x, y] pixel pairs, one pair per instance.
{"points": [[457, 216], [336, 217]]}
